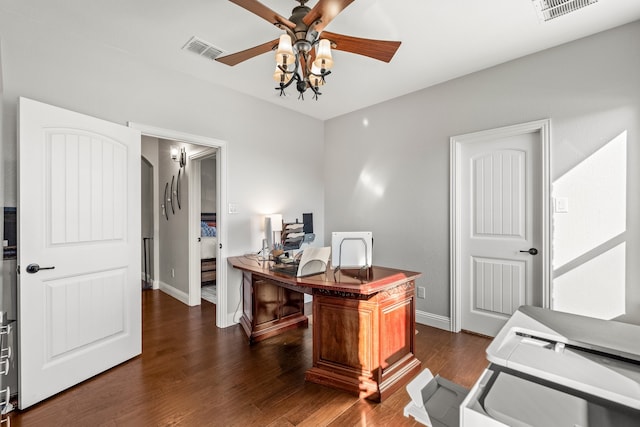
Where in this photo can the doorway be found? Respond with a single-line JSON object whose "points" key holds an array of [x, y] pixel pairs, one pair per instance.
{"points": [[500, 232], [208, 233], [203, 225], [204, 145]]}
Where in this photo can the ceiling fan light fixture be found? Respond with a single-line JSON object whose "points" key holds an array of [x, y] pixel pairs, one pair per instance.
{"points": [[284, 54], [297, 61], [324, 60]]}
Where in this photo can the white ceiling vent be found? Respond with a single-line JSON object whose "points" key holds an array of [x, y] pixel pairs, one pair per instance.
{"points": [[202, 48], [551, 9]]}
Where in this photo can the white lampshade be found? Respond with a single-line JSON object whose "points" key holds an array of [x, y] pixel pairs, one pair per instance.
{"points": [[276, 222], [278, 74], [284, 54], [323, 55]]}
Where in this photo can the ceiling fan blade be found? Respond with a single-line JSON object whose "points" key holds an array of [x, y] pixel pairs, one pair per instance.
{"points": [[325, 10], [382, 50], [238, 57], [254, 6]]}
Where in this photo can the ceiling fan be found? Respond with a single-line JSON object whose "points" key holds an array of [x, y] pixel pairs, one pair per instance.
{"points": [[296, 59]]}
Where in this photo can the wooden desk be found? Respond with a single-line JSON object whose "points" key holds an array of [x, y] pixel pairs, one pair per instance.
{"points": [[363, 331]]}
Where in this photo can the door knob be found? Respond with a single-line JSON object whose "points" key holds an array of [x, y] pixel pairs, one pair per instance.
{"points": [[532, 251], [34, 268]]}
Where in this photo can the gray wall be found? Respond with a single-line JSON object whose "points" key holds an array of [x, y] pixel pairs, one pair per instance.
{"points": [[149, 150], [208, 185], [170, 236], [63, 69], [1, 147], [147, 203], [173, 236], [589, 88]]}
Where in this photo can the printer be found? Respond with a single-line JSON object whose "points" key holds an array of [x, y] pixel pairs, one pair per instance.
{"points": [[549, 368]]}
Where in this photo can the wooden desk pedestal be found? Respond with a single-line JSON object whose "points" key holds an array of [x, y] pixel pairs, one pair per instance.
{"points": [[364, 345], [363, 330], [270, 307]]}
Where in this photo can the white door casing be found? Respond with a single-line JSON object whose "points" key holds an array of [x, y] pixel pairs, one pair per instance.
{"points": [[194, 230], [500, 194], [78, 211]]}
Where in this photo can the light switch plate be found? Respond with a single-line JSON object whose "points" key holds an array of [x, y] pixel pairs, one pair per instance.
{"points": [[562, 205]]}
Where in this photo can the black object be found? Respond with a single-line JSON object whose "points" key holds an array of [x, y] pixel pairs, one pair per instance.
{"points": [[173, 210], [165, 200], [9, 251], [178, 189], [307, 220], [532, 251], [34, 268], [290, 269]]}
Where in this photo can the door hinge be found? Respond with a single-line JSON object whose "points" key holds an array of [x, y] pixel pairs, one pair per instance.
{"points": [[18, 269]]}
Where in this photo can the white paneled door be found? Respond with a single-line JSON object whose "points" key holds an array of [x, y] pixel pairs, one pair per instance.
{"points": [[79, 310], [500, 223]]}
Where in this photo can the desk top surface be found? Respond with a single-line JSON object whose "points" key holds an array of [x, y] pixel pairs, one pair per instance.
{"points": [[370, 281]]}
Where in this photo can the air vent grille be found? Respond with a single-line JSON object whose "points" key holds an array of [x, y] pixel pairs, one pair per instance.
{"points": [[202, 48], [551, 9]]}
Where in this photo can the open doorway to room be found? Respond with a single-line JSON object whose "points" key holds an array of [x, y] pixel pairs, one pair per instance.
{"points": [[177, 263], [208, 225]]}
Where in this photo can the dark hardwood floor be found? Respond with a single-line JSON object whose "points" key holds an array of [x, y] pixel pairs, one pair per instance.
{"points": [[192, 374]]}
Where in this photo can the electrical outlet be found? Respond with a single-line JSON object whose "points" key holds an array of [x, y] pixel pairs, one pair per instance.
{"points": [[422, 292]]}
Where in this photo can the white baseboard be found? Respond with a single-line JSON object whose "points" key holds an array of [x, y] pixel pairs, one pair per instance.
{"points": [[176, 293], [434, 320], [422, 317], [183, 297]]}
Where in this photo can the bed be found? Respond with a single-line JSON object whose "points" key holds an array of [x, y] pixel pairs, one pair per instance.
{"points": [[208, 247]]}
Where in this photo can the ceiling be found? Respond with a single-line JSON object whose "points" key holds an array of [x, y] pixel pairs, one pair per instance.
{"points": [[441, 40]]}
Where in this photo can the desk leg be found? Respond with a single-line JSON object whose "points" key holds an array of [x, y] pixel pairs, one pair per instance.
{"points": [[364, 345]]}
